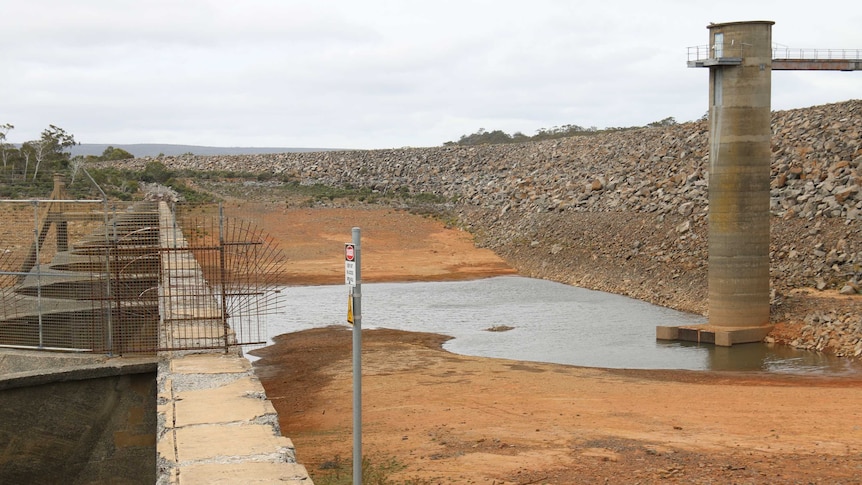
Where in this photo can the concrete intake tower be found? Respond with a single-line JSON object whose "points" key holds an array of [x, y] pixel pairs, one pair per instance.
{"points": [[740, 69]]}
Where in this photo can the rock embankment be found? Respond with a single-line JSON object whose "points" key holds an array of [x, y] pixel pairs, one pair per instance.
{"points": [[627, 211]]}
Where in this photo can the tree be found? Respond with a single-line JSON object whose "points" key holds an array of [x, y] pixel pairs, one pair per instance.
{"points": [[112, 153], [52, 148], [669, 121], [40, 150], [26, 152], [58, 141], [75, 164], [5, 148], [497, 136], [156, 172]]}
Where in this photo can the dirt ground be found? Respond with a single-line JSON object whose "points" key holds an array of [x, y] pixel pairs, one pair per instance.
{"points": [[396, 245], [456, 419]]}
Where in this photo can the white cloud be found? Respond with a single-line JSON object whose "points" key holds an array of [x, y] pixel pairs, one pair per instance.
{"points": [[378, 73]]}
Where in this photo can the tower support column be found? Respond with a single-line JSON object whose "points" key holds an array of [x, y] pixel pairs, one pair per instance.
{"points": [[740, 132], [739, 171]]}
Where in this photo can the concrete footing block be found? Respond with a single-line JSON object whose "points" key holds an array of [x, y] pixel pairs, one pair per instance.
{"points": [[711, 334], [666, 333]]}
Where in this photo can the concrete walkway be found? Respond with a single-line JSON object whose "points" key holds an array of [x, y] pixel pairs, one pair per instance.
{"points": [[216, 424]]}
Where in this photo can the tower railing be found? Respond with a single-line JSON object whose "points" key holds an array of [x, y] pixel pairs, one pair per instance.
{"points": [[816, 54], [727, 49]]}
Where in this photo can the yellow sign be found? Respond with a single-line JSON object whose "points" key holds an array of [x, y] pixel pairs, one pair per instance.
{"points": [[350, 308]]}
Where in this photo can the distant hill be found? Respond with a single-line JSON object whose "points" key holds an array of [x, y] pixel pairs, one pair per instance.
{"points": [[141, 150]]}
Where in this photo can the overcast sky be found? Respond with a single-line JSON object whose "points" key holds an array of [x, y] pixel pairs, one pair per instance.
{"points": [[377, 73]]}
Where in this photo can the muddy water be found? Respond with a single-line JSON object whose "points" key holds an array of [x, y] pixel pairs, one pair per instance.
{"points": [[551, 322]]}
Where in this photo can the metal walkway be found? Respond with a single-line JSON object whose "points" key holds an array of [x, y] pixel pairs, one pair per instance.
{"points": [[783, 58]]}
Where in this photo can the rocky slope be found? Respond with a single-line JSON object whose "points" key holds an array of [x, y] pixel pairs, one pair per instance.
{"points": [[626, 211]]}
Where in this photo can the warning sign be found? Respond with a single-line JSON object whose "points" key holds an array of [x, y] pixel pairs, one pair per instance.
{"points": [[350, 273], [350, 265]]}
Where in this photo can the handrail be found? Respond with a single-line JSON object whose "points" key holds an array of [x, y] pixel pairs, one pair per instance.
{"points": [[704, 52], [699, 53], [817, 54]]}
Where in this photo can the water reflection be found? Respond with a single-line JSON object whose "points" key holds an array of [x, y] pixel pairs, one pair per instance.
{"points": [[551, 322], [778, 359]]}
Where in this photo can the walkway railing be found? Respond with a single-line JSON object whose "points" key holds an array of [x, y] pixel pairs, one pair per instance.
{"points": [[704, 52], [816, 54]]}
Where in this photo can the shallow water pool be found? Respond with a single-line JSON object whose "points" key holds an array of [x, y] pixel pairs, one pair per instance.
{"points": [[552, 322]]}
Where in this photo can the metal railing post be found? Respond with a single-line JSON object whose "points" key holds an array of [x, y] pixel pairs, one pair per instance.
{"points": [[222, 277], [38, 274], [109, 339]]}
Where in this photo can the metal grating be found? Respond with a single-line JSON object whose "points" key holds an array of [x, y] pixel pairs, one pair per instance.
{"points": [[91, 276]]}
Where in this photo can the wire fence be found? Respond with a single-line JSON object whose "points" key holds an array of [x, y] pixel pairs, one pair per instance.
{"points": [[48, 299], [221, 280], [93, 276]]}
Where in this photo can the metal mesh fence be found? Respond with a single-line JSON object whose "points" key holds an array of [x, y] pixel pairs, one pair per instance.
{"points": [[226, 283], [100, 277]]}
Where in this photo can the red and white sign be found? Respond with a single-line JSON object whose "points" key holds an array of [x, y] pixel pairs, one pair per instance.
{"points": [[350, 264]]}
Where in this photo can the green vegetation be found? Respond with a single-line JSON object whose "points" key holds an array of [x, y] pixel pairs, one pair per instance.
{"points": [[156, 172], [483, 137], [29, 168], [112, 153], [21, 180], [339, 471], [123, 183], [271, 186], [669, 121], [224, 175], [117, 184], [27, 172], [317, 194]]}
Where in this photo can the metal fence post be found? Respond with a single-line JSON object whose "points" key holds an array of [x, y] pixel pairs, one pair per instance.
{"points": [[38, 273], [357, 362]]}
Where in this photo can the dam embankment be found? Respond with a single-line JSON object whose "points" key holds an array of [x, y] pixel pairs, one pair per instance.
{"points": [[626, 211]]}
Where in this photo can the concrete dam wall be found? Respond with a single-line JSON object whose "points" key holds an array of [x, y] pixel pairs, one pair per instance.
{"points": [[77, 419]]}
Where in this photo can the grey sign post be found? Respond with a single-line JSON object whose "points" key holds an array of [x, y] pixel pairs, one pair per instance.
{"points": [[352, 276]]}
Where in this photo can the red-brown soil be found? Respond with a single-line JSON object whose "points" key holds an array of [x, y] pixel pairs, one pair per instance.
{"points": [[396, 245], [456, 419]]}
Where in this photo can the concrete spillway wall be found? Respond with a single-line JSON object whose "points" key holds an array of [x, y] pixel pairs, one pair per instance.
{"points": [[76, 419]]}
